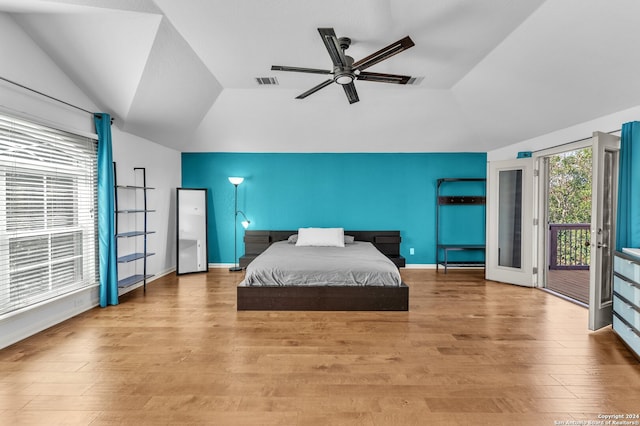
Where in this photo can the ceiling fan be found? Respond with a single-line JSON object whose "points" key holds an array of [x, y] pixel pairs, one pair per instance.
{"points": [[345, 70]]}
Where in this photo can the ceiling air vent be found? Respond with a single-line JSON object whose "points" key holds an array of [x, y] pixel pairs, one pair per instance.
{"points": [[267, 81], [414, 81]]}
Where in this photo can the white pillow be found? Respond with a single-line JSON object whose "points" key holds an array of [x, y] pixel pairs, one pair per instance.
{"points": [[348, 239], [325, 237]]}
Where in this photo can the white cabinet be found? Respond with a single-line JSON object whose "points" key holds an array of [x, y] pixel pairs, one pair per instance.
{"points": [[626, 300]]}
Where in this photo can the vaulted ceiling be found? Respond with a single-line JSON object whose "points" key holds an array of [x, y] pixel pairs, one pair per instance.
{"points": [[495, 72]]}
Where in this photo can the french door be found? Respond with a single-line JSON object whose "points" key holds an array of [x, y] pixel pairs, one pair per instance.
{"points": [[604, 199], [509, 254]]}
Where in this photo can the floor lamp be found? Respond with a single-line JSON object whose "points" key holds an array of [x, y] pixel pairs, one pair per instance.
{"points": [[245, 223]]}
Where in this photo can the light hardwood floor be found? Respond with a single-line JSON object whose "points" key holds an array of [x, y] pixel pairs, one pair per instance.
{"points": [[469, 352]]}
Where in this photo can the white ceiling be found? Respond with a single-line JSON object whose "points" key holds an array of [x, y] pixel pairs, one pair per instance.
{"points": [[496, 72]]}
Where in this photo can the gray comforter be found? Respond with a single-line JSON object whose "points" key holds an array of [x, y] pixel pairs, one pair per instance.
{"points": [[357, 264]]}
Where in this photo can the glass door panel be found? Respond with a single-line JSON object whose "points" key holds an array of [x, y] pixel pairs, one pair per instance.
{"points": [[510, 221]]}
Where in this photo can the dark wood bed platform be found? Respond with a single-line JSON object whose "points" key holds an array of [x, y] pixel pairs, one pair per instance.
{"points": [[323, 298]]}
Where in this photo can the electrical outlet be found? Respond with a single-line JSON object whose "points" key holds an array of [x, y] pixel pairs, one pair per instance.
{"points": [[412, 251]]}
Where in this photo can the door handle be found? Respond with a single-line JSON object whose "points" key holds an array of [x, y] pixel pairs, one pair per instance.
{"points": [[601, 245]]}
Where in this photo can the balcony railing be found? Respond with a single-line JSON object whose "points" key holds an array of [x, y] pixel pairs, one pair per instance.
{"points": [[570, 246]]}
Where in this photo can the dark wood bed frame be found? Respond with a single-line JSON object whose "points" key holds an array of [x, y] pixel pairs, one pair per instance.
{"points": [[323, 298]]}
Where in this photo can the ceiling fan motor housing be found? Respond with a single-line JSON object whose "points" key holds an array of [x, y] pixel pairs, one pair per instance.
{"points": [[344, 42], [344, 75]]}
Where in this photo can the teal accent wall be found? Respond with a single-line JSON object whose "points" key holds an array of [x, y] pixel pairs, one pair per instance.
{"points": [[357, 191]]}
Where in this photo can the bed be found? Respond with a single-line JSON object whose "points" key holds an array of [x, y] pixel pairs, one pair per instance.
{"points": [[361, 276]]}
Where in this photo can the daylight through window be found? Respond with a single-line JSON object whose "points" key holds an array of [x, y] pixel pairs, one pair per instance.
{"points": [[48, 213]]}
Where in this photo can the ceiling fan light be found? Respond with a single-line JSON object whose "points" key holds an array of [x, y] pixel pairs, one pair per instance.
{"points": [[344, 79]]}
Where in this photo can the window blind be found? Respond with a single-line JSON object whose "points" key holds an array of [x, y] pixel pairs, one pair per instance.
{"points": [[48, 213]]}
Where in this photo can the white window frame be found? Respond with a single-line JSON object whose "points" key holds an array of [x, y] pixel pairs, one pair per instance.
{"points": [[81, 168]]}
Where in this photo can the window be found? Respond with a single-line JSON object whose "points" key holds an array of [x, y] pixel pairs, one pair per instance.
{"points": [[48, 213]]}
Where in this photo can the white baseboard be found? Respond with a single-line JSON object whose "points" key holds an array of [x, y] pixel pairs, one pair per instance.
{"points": [[221, 265], [433, 266], [162, 274], [22, 324], [419, 266], [126, 290]]}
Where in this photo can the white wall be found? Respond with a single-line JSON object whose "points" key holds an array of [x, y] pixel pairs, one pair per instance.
{"points": [[608, 123], [22, 61], [163, 173]]}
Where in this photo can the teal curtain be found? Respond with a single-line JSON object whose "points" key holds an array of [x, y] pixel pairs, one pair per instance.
{"points": [[106, 218], [628, 220]]}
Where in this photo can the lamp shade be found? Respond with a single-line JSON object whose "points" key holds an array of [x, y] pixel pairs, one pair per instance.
{"points": [[236, 180]]}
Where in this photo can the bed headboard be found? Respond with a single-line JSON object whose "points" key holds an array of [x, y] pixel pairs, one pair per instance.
{"points": [[388, 242]]}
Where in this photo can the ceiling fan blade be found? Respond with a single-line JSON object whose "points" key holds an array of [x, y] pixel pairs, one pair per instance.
{"points": [[299, 69], [333, 47], [350, 91], [384, 53], [314, 89], [383, 78]]}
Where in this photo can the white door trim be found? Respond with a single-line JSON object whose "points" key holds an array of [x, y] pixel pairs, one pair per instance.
{"points": [[522, 275]]}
